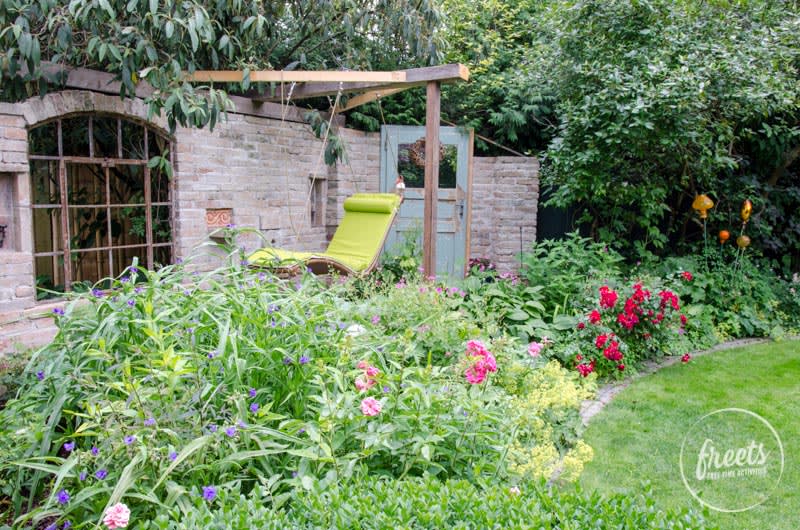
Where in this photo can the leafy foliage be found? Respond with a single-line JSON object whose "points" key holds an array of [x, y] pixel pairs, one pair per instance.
{"points": [[148, 40], [167, 382], [428, 503]]}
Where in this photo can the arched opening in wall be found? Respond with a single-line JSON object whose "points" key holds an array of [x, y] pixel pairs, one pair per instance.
{"points": [[101, 195]]}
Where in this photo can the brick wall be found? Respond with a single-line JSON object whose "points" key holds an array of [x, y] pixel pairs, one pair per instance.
{"points": [[505, 195], [257, 167]]}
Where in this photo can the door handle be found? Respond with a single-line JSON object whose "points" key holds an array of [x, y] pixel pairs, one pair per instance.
{"points": [[461, 209]]}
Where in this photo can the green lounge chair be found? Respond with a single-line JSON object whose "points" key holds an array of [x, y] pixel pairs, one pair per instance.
{"points": [[355, 246]]}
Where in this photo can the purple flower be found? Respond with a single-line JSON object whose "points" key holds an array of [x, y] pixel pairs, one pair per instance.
{"points": [[58, 311], [297, 285], [212, 354], [67, 525], [375, 319], [254, 407], [130, 439], [101, 474], [69, 446], [301, 431], [304, 359], [231, 431], [242, 424], [287, 360], [138, 290], [97, 293], [95, 450], [173, 455], [294, 474], [63, 497], [187, 292], [212, 428], [386, 389], [209, 493], [124, 279], [245, 263], [252, 392], [262, 276], [178, 261], [342, 325], [149, 422], [272, 308], [51, 527], [131, 302], [40, 375], [272, 323], [134, 270], [82, 476]]}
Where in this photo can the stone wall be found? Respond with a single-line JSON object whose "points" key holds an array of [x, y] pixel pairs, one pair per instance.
{"points": [[259, 169], [505, 196]]}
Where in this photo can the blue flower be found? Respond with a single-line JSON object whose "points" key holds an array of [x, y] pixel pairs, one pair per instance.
{"points": [[138, 290], [262, 276], [212, 354], [58, 311], [304, 359], [386, 389], [82, 476], [130, 439], [69, 446], [173, 455], [287, 360], [95, 450], [40, 375], [101, 474], [209, 493], [131, 302], [231, 431], [254, 407], [212, 428], [252, 392], [67, 525], [51, 527], [124, 279], [63, 497], [149, 422], [97, 293], [187, 292]]}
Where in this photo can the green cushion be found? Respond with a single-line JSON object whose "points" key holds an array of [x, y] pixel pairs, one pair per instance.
{"points": [[269, 256], [371, 203]]}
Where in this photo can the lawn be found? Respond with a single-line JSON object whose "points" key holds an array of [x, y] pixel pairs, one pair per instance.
{"points": [[638, 436]]}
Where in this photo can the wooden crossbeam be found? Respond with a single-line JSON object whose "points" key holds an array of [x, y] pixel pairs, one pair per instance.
{"points": [[367, 97], [414, 77], [296, 76]]}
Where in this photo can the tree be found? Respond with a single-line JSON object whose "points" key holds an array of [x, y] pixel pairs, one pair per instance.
{"points": [[157, 41]]}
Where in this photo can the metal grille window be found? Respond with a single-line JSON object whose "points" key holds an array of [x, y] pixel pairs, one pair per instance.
{"points": [[101, 195]]}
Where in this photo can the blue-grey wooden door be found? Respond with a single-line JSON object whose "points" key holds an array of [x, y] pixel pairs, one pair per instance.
{"points": [[399, 156]]}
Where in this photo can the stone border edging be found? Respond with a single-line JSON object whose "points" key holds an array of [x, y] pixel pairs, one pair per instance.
{"points": [[606, 393]]}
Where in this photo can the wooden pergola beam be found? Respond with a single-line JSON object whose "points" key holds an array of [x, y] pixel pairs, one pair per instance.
{"points": [[414, 77], [367, 97], [295, 76]]}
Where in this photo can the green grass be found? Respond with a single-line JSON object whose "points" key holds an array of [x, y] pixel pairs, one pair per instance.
{"points": [[638, 436]]}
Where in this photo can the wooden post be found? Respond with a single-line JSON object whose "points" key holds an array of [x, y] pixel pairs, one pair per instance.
{"points": [[432, 116]]}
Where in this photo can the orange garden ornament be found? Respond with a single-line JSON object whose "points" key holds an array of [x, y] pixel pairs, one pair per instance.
{"points": [[724, 235], [743, 242], [747, 209], [702, 203]]}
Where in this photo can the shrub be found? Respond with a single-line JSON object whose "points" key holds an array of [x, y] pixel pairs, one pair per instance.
{"points": [[422, 503]]}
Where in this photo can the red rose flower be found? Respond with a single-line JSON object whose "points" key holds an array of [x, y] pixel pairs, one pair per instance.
{"points": [[683, 320], [608, 297], [620, 367], [686, 358], [594, 317], [600, 341], [581, 325], [687, 276]]}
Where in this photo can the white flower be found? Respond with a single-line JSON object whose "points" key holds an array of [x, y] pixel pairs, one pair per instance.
{"points": [[355, 330]]}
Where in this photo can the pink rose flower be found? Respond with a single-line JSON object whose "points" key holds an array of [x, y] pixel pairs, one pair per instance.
{"points": [[474, 375], [117, 516], [363, 386], [372, 371], [370, 406], [535, 349], [362, 365]]}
